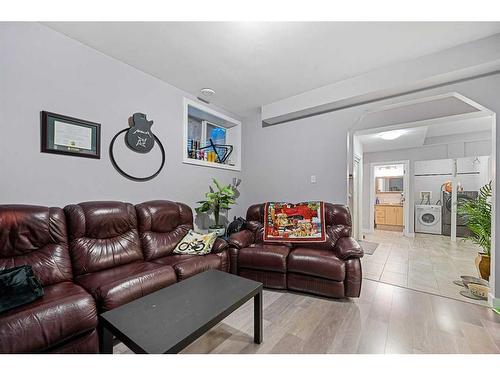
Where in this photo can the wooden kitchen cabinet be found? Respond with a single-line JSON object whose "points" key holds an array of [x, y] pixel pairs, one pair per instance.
{"points": [[389, 215], [380, 214], [399, 215]]}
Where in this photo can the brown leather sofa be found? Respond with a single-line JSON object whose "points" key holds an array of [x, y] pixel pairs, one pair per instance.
{"points": [[64, 320], [330, 269], [90, 258]]}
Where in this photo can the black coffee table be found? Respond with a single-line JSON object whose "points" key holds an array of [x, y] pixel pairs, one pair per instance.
{"points": [[170, 319]]}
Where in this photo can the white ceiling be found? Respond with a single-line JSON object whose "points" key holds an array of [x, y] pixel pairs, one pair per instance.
{"points": [[474, 125], [417, 136], [413, 137], [251, 64]]}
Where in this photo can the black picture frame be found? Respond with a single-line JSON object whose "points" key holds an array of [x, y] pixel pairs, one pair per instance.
{"points": [[47, 138]]}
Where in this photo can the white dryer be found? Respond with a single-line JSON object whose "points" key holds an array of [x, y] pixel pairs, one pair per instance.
{"points": [[428, 218]]}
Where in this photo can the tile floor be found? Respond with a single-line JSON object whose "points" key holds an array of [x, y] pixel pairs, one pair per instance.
{"points": [[427, 262]]}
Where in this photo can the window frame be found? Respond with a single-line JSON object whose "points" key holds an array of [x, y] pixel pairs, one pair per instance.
{"points": [[232, 132]]}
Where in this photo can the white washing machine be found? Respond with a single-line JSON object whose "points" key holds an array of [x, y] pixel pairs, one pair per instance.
{"points": [[428, 218]]}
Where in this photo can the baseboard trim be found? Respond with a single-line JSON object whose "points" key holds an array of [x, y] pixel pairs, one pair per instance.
{"points": [[493, 302], [393, 228]]}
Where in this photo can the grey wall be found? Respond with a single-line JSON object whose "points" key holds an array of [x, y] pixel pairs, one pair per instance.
{"points": [[41, 69], [278, 160], [435, 152]]}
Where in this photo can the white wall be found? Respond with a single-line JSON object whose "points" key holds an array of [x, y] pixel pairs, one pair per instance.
{"points": [[41, 69], [453, 64], [417, 184]]}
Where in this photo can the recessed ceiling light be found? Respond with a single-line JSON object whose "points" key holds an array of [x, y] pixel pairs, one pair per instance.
{"points": [[391, 135], [207, 92]]}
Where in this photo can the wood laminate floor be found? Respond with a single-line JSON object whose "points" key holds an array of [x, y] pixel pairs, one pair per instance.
{"points": [[385, 319]]}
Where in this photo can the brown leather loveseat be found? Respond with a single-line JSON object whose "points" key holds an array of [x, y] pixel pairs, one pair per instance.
{"points": [[91, 257], [331, 268]]}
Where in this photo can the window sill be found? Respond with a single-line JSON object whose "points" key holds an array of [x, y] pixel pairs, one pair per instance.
{"points": [[209, 164]]}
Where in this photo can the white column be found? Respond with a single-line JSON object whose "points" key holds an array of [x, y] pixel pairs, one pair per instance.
{"points": [[454, 189]]}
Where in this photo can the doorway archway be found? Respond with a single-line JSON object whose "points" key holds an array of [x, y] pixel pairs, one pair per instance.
{"points": [[425, 111]]}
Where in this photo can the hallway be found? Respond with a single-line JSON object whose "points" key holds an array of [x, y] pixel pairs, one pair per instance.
{"points": [[428, 263]]}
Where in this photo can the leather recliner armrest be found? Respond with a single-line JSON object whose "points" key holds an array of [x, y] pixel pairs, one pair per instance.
{"points": [[241, 239], [347, 248], [219, 245]]}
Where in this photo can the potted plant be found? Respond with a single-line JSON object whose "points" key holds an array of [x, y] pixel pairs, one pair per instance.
{"points": [[478, 219], [218, 199]]}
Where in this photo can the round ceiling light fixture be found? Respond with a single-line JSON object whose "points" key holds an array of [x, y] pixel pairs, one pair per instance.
{"points": [[207, 92], [391, 135]]}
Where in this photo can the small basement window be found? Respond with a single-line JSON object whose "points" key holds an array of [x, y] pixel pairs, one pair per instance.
{"points": [[211, 139]]}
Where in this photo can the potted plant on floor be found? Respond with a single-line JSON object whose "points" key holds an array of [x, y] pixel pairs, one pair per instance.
{"points": [[478, 219], [217, 200]]}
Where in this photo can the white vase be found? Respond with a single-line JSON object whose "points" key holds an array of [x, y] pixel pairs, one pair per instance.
{"points": [[220, 231]]}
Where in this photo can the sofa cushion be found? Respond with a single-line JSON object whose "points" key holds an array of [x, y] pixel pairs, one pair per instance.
{"points": [[162, 224], [197, 265], [196, 243], [116, 286], [102, 235], [65, 311], [337, 221], [87, 343], [189, 265], [264, 257], [274, 280], [316, 262], [171, 260], [315, 285], [36, 236]]}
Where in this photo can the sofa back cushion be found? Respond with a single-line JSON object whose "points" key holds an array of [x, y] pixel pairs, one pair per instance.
{"points": [[36, 236], [102, 235], [337, 222], [162, 224]]}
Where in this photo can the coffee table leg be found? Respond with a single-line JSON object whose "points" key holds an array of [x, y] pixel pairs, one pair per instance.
{"points": [[257, 318], [106, 341]]}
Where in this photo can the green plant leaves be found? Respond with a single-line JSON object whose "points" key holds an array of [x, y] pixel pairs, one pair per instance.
{"points": [[478, 217], [216, 200], [205, 207], [217, 184]]}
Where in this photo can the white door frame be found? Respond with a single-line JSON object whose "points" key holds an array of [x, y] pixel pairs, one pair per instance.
{"points": [[406, 191], [357, 195], [494, 295]]}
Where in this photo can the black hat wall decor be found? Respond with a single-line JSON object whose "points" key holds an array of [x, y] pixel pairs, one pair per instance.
{"points": [[138, 138]]}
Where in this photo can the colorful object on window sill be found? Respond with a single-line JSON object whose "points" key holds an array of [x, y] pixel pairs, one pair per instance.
{"points": [[210, 153], [446, 187]]}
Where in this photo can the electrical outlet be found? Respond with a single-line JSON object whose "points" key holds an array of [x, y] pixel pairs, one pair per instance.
{"points": [[313, 179]]}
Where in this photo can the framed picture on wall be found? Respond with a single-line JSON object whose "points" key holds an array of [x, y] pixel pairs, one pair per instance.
{"points": [[70, 136]]}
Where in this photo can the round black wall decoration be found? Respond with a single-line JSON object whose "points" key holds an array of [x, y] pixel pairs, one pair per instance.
{"points": [[138, 138]]}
